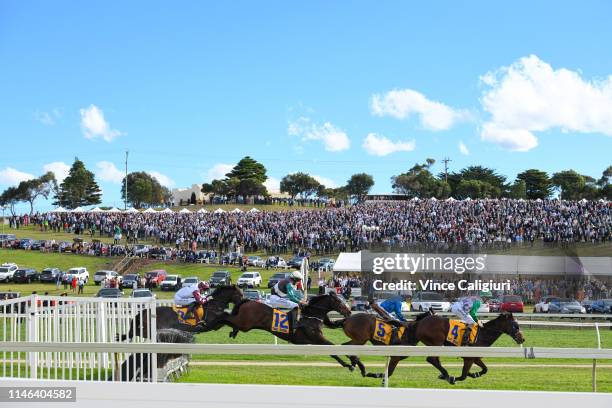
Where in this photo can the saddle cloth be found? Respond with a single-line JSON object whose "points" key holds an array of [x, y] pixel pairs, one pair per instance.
{"points": [[384, 332], [280, 321], [186, 317], [456, 330]]}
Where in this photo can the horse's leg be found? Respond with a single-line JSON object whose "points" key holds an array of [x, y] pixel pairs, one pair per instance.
{"points": [[479, 363], [435, 361], [467, 364]]}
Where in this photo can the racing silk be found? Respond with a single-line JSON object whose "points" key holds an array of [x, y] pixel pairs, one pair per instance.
{"points": [[285, 289], [470, 306], [187, 295], [394, 305]]}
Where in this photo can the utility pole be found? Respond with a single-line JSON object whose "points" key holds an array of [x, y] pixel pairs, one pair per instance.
{"points": [[446, 160], [126, 182]]}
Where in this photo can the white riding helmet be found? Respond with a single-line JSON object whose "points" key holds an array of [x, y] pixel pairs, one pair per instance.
{"points": [[297, 275]]}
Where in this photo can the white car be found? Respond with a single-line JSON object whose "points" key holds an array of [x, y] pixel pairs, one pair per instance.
{"points": [[249, 279], [7, 270], [141, 249], [543, 304], [81, 273], [484, 308], [422, 301], [256, 261], [99, 276], [326, 264]]}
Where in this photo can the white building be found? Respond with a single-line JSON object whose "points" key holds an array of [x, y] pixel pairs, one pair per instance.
{"points": [[184, 194]]}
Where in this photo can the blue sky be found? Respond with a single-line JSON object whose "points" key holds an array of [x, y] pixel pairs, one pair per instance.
{"points": [[329, 88]]}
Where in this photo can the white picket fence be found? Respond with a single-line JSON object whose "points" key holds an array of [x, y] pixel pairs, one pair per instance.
{"points": [[61, 322]]}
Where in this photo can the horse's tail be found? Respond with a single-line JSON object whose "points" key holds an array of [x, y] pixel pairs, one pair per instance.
{"points": [[333, 324]]}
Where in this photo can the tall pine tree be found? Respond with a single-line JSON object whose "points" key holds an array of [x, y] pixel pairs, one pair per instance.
{"points": [[79, 188]]}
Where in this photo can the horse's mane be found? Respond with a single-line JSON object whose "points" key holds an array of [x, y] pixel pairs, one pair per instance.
{"points": [[503, 315], [220, 289]]}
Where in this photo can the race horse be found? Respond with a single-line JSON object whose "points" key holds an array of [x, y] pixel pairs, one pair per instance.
{"points": [[364, 327], [170, 318], [250, 315], [431, 330]]}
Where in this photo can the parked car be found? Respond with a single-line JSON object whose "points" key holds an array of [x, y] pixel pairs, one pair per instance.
{"points": [[422, 301], [256, 261], [172, 282], [99, 276], [601, 306], [494, 305], [142, 293], [25, 275], [253, 295], [587, 305], [276, 262], [249, 279], [6, 240], [359, 303], [565, 306], [7, 270], [511, 303], [38, 244], [326, 264], [49, 274], [543, 304], [130, 281], [156, 277], [26, 243], [277, 277], [190, 281], [141, 249], [81, 273], [484, 307], [295, 262], [111, 293], [220, 278]]}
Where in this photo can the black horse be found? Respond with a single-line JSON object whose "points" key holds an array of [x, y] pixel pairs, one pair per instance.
{"points": [[168, 319], [250, 315]]}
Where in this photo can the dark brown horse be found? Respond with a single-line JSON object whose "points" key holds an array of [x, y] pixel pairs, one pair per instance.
{"points": [[362, 327], [431, 330], [166, 317], [251, 315]]}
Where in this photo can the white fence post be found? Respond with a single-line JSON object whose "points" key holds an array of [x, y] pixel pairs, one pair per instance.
{"points": [[32, 311], [153, 339]]}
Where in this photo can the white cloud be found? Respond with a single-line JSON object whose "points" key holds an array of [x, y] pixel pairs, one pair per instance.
{"points": [[218, 171], [327, 182], [162, 178], [381, 146], [94, 125], [402, 103], [333, 138], [463, 149], [11, 177], [272, 185], [60, 169], [530, 96], [109, 172]]}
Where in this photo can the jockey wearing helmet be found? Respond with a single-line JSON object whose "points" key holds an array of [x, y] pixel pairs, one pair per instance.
{"points": [[192, 295], [285, 293], [466, 308]]}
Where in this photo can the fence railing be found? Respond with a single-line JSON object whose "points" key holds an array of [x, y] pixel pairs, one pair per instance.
{"points": [[321, 350]]}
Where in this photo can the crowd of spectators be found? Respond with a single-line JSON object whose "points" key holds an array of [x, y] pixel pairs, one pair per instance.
{"points": [[476, 222]]}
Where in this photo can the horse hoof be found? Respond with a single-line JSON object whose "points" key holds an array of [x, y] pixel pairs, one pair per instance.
{"points": [[451, 380], [351, 368]]}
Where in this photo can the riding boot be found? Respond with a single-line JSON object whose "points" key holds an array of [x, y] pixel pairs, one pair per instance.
{"points": [[466, 335]]}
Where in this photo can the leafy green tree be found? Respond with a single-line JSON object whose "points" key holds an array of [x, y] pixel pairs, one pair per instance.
{"points": [[299, 183], [419, 182], [79, 188], [537, 183], [142, 188], [250, 176], [570, 184], [518, 190], [31, 190], [359, 185], [490, 184], [10, 198]]}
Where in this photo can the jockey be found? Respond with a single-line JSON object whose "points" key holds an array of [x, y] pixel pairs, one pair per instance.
{"points": [[466, 308], [394, 305], [192, 296], [285, 293]]}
